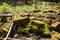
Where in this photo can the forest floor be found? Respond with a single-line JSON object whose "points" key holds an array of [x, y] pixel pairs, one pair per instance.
{"points": [[31, 22]]}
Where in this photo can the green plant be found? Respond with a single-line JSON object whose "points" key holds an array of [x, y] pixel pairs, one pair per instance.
{"points": [[4, 6], [24, 8]]}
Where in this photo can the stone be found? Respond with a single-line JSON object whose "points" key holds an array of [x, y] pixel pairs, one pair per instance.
{"points": [[45, 39], [42, 26], [37, 23], [25, 14], [51, 16], [7, 15], [36, 10], [28, 38], [39, 18], [47, 20], [52, 3], [14, 39], [3, 17], [16, 36], [49, 10], [58, 18], [34, 38], [55, 26], [23, 38], [21, 21]]}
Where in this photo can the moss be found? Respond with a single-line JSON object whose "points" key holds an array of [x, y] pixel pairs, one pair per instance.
{"points": [[10, 15], [18, 18], [21, 21], [27, 29], [32, 18], [4, 31], [44, 32], [39, 23], [55, 35], [20, 29], [6, 26], [41, 30]]}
